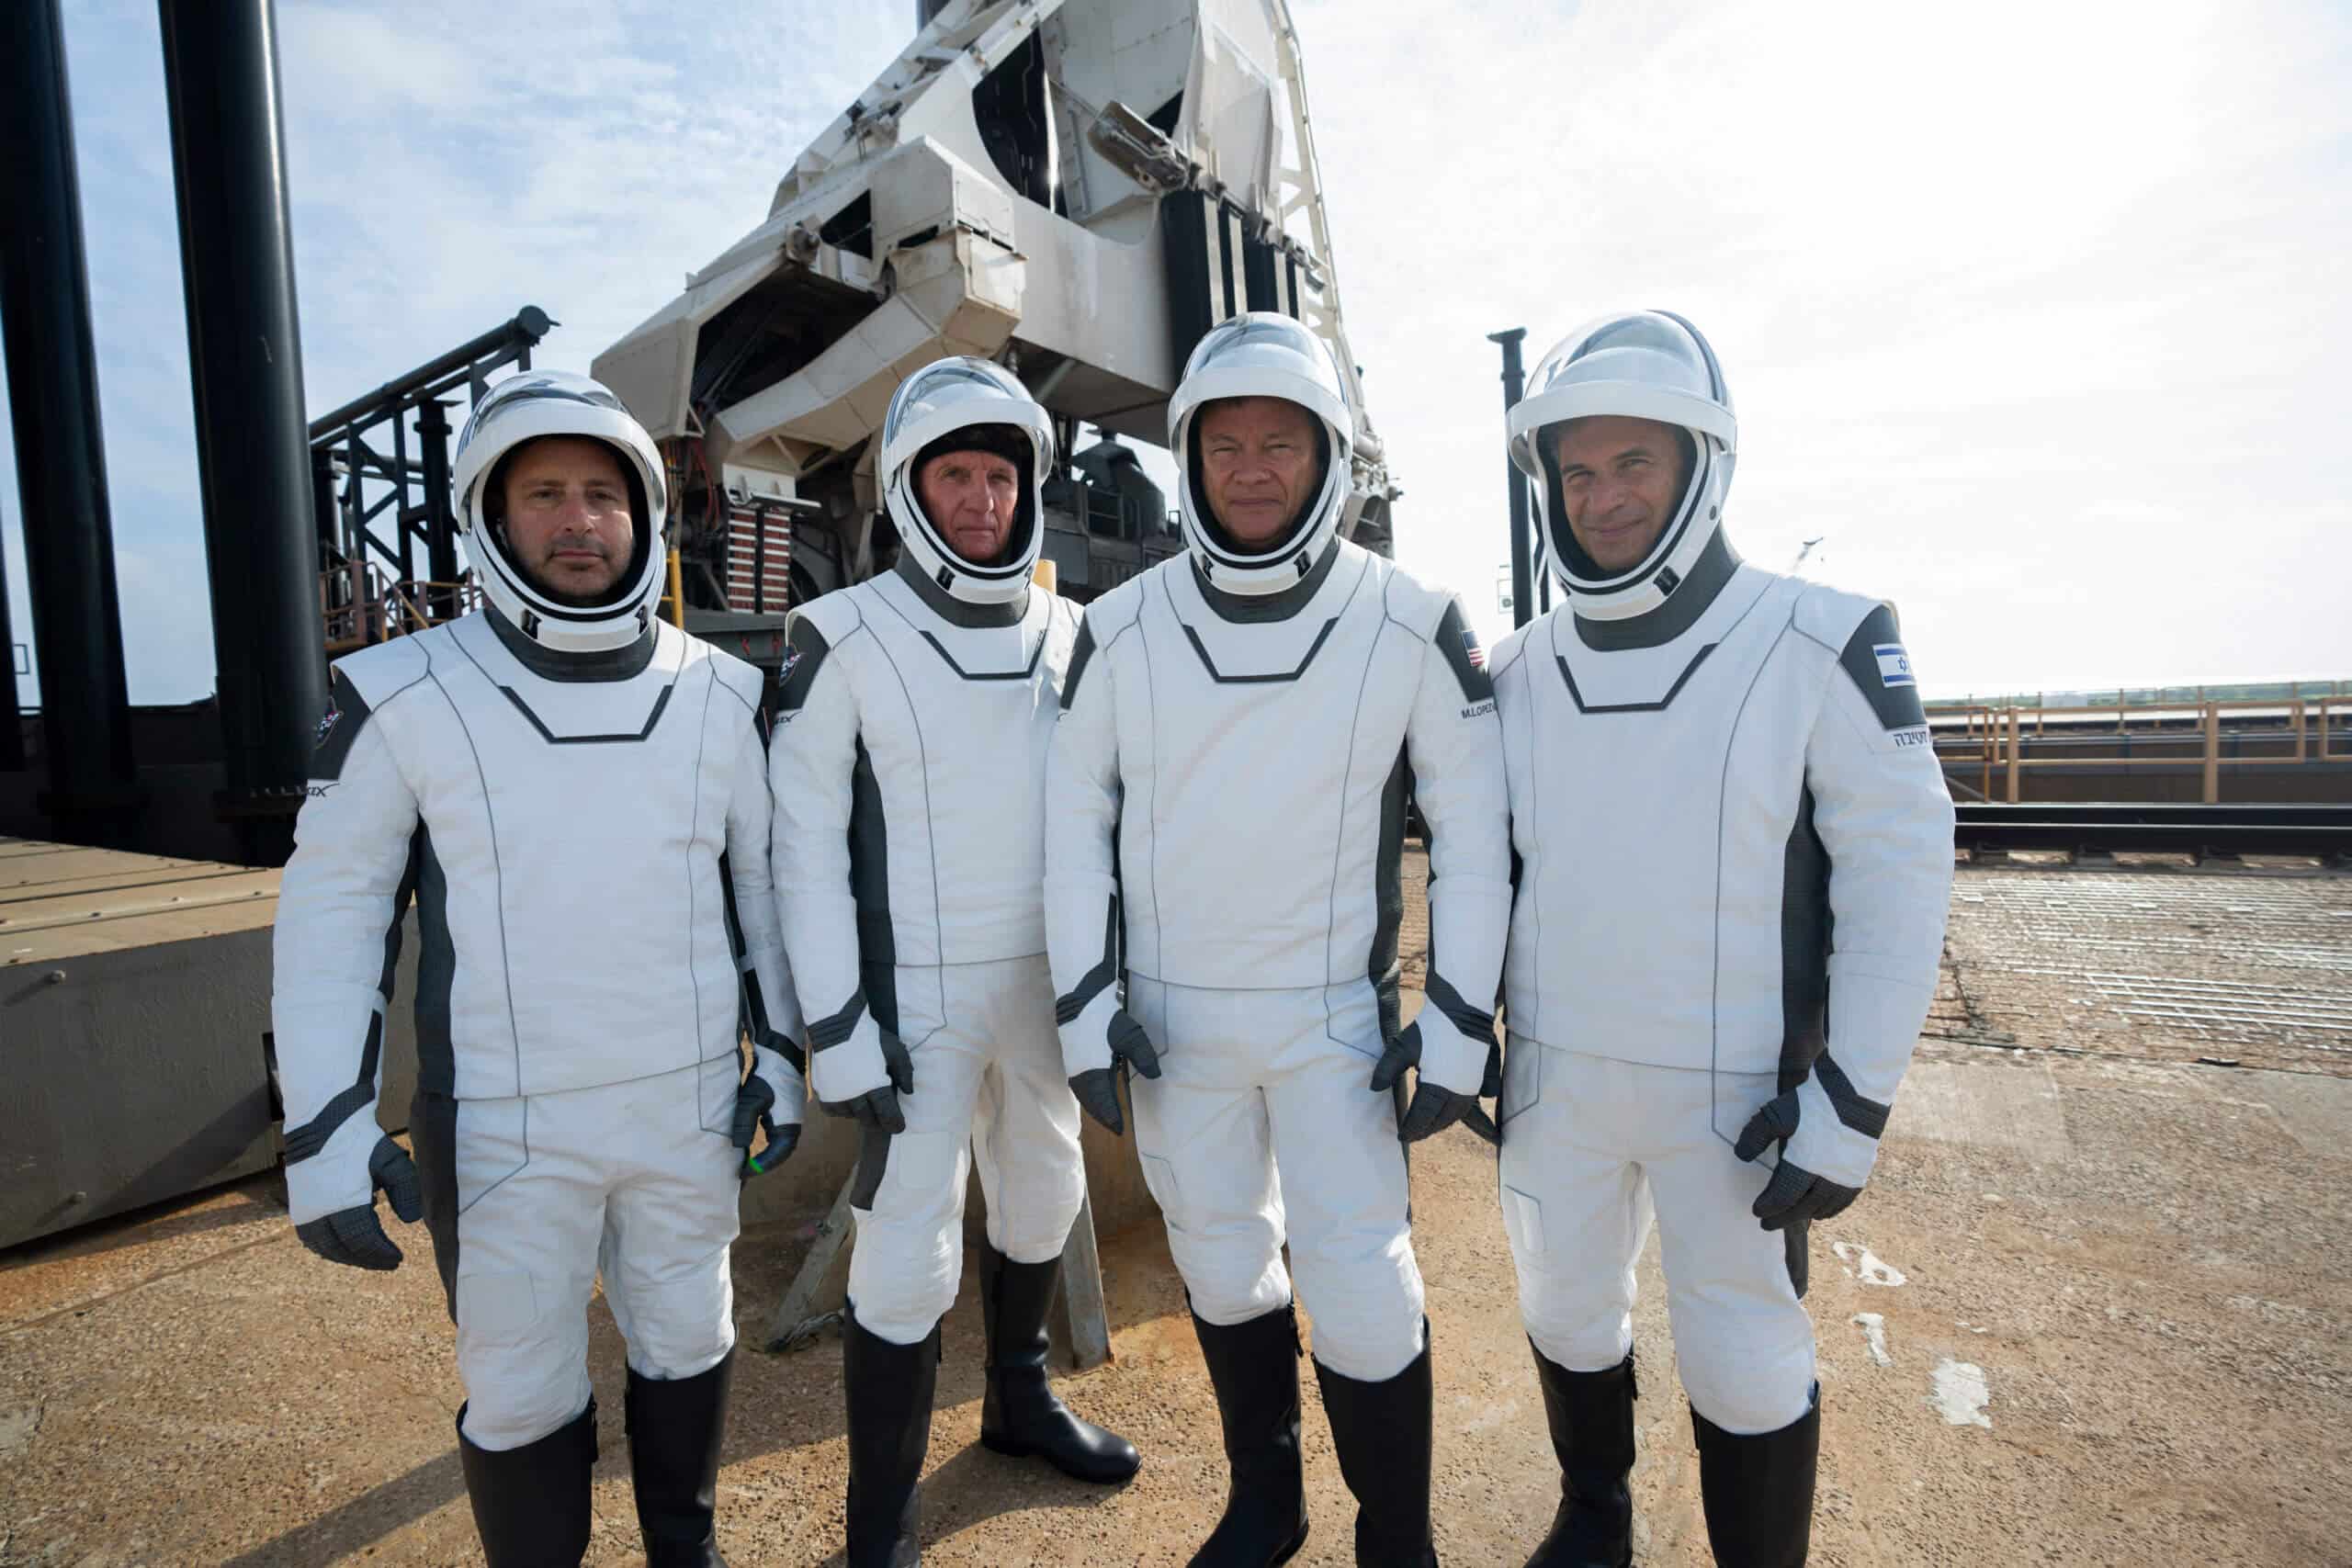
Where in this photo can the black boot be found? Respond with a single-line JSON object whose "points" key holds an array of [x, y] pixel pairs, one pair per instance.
{"points": [[1592, 1416], [1759, 1491], [889, 1389], [531, 1503], [1020, 1413], [1254, 1368], [674, 1427], [1381, 1431]]}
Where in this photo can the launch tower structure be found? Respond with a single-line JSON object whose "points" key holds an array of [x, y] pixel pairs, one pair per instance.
{"points": [[1077, 189]]}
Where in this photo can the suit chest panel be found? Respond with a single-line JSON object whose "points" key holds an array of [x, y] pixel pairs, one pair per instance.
{"points": [[957, 721], [579, 788], [1258, 776], [1683, 795]]}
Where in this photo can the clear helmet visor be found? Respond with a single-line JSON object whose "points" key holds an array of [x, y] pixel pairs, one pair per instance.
{"points": [[1262, 355], [931, 409], [538, 405], [1651, 366]]}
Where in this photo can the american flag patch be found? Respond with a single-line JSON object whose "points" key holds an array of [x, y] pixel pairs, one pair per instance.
{"points": [[1470, 645]]}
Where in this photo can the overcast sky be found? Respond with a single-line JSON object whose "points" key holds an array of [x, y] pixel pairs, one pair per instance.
{"points": [[2027, 308]]}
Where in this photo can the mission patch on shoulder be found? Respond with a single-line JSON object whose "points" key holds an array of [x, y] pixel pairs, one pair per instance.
{"points": [[1880, 670]]}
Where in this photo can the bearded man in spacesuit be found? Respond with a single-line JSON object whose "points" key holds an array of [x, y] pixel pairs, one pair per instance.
{"points": [[574, 795], [909, 774], [1736, 854], [1240, 728]]}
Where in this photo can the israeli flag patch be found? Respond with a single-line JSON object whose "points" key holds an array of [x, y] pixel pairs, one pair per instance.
{"points": [[1894, 664]]}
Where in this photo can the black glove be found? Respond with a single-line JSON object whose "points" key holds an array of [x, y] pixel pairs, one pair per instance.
{"points": [[355, 1235], [1097, 1088], [1795, 1196], [771, 1096], [1434, 1108], [878, 1108]]}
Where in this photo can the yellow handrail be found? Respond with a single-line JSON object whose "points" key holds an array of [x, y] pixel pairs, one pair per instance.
{"points": [[1998, 736]]}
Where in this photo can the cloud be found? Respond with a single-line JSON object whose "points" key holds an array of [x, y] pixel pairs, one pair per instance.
{"points": [[446, 166], [1974, 275], [2030, 311]]}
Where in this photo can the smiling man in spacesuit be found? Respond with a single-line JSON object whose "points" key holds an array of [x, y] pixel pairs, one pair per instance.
{"points": [[909, 773], [1241, 728], [573, 793], [1737, 849]]}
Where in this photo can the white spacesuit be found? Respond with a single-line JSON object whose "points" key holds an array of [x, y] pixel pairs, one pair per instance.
{"points": [[1737, 855], [1240, 731], [909, 775], [574, 797]]}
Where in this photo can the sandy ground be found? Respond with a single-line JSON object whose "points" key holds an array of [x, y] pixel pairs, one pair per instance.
{"points": [[2097, 1308]]}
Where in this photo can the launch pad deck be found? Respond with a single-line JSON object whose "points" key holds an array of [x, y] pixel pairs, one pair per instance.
{"points": [[2247, 968], [2096, 1308]]}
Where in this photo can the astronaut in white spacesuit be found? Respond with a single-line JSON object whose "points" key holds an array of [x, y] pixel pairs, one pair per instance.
{"points": [[909, 775], [1240, 728], [1736, 852], [574, 795]]}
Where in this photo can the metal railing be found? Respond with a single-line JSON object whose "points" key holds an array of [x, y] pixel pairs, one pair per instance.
{"points": [[1992, 739], [380, 464], [361, 607]]}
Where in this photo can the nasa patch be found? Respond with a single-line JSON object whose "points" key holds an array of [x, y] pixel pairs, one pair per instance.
{"points": [[784, 670], [327, 721], [1894, 664]]}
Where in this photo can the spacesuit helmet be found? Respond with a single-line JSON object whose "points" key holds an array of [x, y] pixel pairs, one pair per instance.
{"points": [[525, 408], [1260, 355], [928, 412], [1649, 365]]}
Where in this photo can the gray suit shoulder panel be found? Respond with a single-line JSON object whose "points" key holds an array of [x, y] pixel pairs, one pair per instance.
{"points": [[380, 672]]}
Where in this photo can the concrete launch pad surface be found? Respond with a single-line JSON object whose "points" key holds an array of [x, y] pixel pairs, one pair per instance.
{"points": [[2095, 1309]]}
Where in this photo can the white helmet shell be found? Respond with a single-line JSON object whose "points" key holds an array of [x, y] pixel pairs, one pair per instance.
{"points": [[1260, 354], [1642, 364], [555, 402], [937, 400]]}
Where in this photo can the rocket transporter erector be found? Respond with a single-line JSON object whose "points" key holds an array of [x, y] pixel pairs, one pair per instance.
{"points": [[1076, 188]]}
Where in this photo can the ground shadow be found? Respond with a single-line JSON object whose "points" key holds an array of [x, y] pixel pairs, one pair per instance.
{"points": [[977, 1486], [363, 1521], [190, 1214], [781, 1403]]}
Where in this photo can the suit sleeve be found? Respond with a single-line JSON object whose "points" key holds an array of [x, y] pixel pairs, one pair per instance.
{"points": [[767, 978], [1886, 818], [1082, 795], [332, 954], [811, 767], [1454, 744]]}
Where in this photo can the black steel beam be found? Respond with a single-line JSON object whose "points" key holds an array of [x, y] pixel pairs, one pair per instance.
{"points": [[1189, 231], [528, 325], [220, 74], [2130, 813], [2109, 827], [1515, 384], [61, 446], [441, 523], [416, 501]]}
